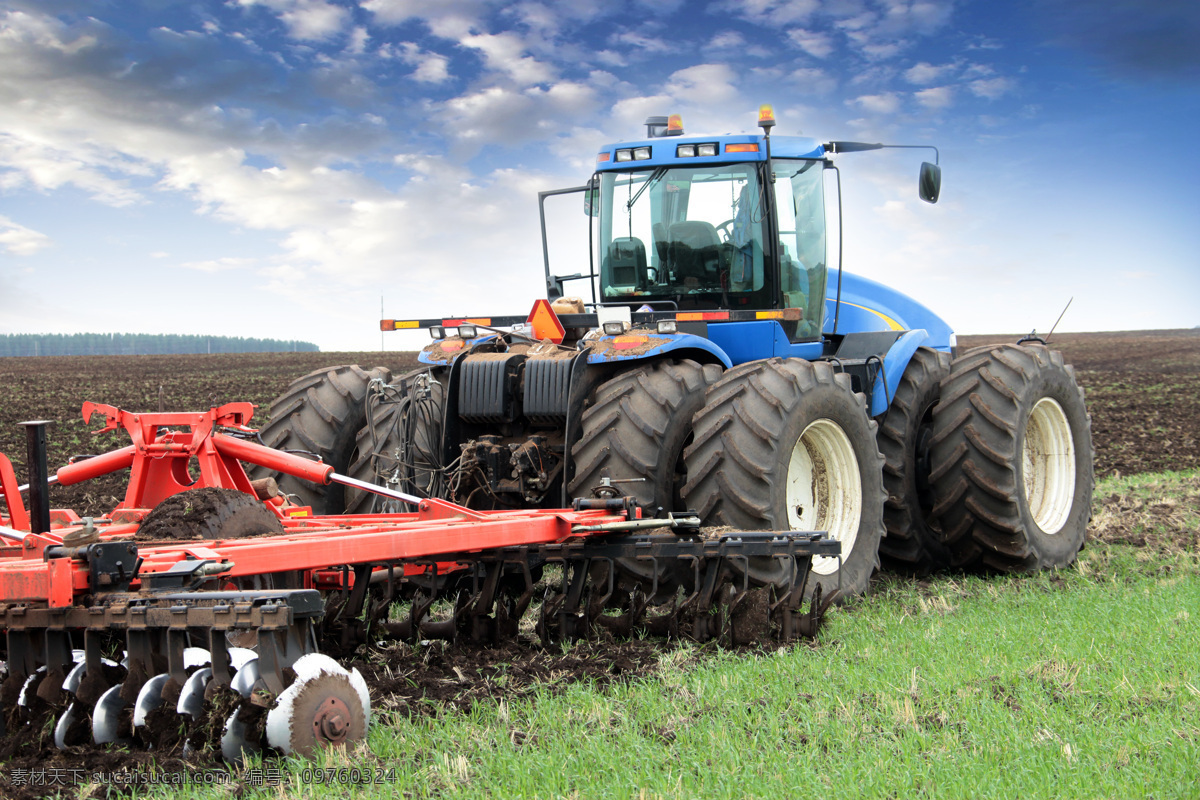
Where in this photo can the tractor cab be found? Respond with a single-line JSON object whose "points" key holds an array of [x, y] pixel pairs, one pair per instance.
{"points": [[695, 223]]}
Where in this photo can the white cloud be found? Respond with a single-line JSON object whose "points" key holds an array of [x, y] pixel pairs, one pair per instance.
{"points": [[888, 103], [923, 73], [727, 40], [936, 97], [309, 20], [772, 12], [429, 67], [18, 240], [644, 42], [507, 116], [449, 19], [815, 81], [992, 88], [506, 53], [703, 83], [358, 40], [815, 43], [214, 265]]}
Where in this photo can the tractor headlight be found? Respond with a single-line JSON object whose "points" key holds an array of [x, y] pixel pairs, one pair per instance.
{"points": [[625, 155], [685, 151], [437, 332], [614, 328], [467, 331], [641, 153], [667, 326], [709, 149]]}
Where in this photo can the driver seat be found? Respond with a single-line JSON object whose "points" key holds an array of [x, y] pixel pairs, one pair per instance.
{"points": [[693, 250]]}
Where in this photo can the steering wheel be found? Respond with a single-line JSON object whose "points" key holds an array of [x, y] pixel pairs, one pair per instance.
{"points": [[723, 230]]}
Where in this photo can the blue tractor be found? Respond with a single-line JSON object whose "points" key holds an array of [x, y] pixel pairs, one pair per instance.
{"points": [[720, 363]]}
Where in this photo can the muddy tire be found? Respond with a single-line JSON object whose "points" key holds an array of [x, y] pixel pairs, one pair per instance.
{"points": [[400, 444], [786, 444], [636, 429], [911, 543], [1012, 460], [209, 513], [320, 414]]}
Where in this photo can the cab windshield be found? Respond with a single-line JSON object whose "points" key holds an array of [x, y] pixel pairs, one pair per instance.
{"points": [[692, 236]]}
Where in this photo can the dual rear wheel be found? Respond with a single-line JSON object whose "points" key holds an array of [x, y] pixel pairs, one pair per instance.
{"points": [[983, 462]]}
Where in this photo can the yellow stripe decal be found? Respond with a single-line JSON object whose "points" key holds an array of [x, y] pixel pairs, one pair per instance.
{"points": [[891, 323]]}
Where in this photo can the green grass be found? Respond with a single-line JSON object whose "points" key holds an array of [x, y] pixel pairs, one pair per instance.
{"points": [[1083, 683]]}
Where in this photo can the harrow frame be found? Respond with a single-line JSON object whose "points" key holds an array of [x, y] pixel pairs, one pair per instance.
{"points": [[67, 590]]}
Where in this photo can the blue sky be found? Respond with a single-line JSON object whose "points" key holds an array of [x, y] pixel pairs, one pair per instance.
{"points": [[276, 167]]}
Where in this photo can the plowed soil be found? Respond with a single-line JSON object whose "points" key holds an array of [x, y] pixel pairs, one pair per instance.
{"points": [[1143, 393]]}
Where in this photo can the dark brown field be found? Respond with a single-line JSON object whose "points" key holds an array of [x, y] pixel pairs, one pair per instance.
{"points": [[1143, 392]]}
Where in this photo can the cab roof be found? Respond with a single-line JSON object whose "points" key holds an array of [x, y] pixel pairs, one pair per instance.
{"points": [[665, 151]]}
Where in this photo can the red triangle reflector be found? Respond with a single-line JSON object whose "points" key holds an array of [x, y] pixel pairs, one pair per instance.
{"points": [[545, 322]]}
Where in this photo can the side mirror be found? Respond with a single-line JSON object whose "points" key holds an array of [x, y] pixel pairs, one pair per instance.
{"points": [[929, 185], [591, 198]]}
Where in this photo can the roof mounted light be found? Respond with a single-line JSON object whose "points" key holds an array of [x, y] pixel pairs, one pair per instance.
{"points": [[641, 153], [625, 154], [675, 125], [706, 149], [766, 117], [685, 151]]}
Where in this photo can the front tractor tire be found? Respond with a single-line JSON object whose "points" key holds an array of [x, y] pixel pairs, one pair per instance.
{"points": [[1012, 460], [635, 430], [787, 445], [911, 543], [321, 415]]}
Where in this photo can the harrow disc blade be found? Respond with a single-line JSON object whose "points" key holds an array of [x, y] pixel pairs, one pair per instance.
{"points": [[234, 744], [149, 698], [195, 657], [63, 726], [71, 682], [23, 697], [325, 705], [238, 656], [106, 717], [191, 696], [245, 678]]}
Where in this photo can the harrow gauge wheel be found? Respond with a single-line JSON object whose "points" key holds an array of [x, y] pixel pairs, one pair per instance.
{"points": [[326, 705]]}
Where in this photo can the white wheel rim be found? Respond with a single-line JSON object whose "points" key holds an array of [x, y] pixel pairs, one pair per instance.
{"points": [[824, 490], [1048, 466]]}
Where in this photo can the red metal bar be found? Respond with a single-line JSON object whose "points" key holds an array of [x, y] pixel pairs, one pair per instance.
{"points": [[255, 453], [338, 541], [95, 467], [18, 517]]}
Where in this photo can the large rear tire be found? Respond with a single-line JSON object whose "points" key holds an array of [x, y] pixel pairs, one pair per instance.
{"points": [[784, 445], [400, 444], [911, 543], [1012, 460], [636, 429], [320, 414]]}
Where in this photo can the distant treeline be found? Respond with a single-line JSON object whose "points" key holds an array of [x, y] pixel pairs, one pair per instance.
{"points": [[139, 344]]}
